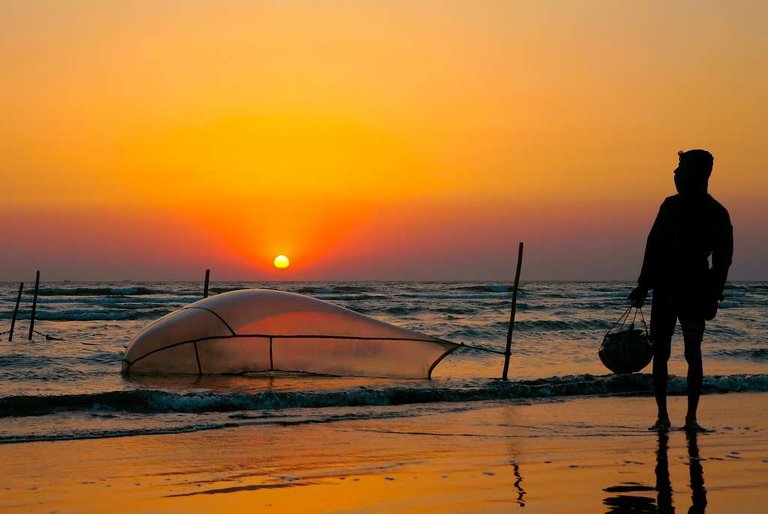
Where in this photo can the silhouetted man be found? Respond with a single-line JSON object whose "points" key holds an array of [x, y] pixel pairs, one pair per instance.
{"points": [[691, 228]]}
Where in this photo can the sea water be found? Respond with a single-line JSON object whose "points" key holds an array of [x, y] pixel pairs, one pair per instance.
{"points": [[65, 382]]}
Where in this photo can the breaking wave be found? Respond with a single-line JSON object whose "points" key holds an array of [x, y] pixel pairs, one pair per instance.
{"points": [[159, 401]]}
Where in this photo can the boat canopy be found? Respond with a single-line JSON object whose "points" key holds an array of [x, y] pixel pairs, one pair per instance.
{"points": [[257, 330]]}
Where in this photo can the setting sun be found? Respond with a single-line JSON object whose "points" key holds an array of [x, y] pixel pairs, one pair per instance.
{"points": [[281, 262]]}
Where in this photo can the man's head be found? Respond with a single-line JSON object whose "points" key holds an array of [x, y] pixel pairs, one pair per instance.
{"points": [[693, 171]]}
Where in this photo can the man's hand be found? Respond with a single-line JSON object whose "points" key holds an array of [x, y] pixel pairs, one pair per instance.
{"points": [[711, 303], [637, 297]]}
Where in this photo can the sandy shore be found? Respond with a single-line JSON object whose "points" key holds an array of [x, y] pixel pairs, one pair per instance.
{"points": [[583, 455]]}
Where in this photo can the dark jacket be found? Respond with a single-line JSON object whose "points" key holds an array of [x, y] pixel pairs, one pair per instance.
{"points": [[689, 229]]}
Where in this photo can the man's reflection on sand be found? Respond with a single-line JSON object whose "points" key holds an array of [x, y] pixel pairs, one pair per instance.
{"points": [[663, 482], [629, 501], [698, 492]]}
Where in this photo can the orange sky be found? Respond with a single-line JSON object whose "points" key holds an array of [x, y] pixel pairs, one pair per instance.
{"points": [[370, 139]]}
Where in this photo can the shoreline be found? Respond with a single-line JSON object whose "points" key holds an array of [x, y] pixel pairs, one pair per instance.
{"points": [[582, 455], [216, 403]]}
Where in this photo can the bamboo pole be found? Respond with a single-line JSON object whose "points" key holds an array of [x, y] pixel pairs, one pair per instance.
{"points": [[207, 280], [511, 328], [34, 306], [15, 311]]}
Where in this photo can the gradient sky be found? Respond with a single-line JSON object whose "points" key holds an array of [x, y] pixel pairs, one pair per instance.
{"points": [[145, 140]]}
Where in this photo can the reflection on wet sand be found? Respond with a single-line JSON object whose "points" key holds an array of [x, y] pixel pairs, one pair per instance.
{"points": [[518, 479], [663, 482], [698, 491], [632, 500]]}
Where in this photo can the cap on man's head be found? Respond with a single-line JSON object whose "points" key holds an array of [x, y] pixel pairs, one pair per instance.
{"points": [[698, 161]]}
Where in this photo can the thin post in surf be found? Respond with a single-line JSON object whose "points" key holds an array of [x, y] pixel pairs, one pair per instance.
{"points": [[511, 328], [15, 312], [207, 281], [34, 306]]}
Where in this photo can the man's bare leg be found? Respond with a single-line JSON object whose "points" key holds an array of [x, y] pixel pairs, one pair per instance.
{"points": [[663, 321], [693, 333], [660, 374]]}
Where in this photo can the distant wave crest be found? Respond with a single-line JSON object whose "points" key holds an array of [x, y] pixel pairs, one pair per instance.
{"points": [[99, 291], [109, 314], [754, 354]]}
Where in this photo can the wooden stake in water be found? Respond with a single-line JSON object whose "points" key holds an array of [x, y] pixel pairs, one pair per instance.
{"points": [[508, 352], [34, 305], [15, 311], [207, 280]]}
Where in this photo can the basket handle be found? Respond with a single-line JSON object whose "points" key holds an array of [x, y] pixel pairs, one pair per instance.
{"points": [[625, 316]]}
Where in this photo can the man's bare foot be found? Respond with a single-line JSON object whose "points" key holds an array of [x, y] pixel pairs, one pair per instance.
{"points": [[661, 425], [692, 426]]}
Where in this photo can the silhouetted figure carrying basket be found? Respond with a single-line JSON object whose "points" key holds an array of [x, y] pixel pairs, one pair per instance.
{"points": [[687, 256]]}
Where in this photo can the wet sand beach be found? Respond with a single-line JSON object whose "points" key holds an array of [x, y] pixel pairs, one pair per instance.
{"points": [[580, 455]]}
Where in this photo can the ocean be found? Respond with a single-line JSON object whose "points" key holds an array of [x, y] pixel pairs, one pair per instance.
{"points": [[66, 384]]}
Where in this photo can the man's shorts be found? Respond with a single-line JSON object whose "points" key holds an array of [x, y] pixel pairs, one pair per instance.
{"points": [[664, 317]]}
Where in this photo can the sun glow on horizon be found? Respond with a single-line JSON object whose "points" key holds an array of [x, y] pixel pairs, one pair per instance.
{"points": [[151, 141]]}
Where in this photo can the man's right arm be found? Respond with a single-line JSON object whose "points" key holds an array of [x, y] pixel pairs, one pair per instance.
{"points": [[722, 254]]}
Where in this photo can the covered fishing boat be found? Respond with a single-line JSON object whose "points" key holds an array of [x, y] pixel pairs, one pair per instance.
{"points": [[258, 330]]}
